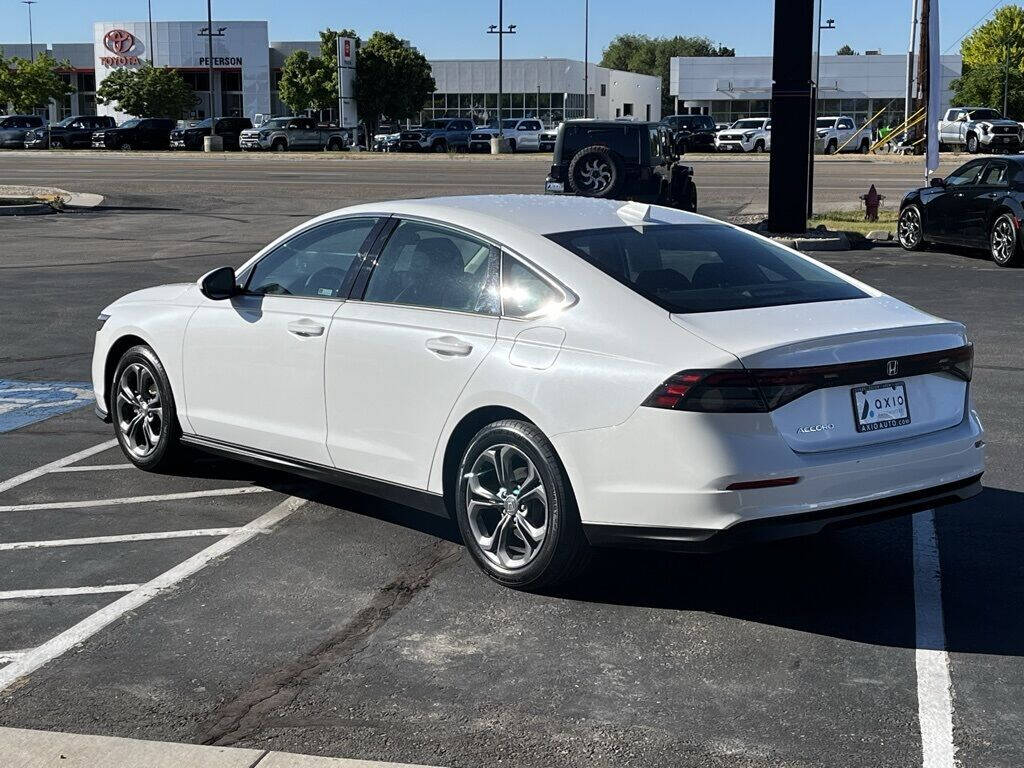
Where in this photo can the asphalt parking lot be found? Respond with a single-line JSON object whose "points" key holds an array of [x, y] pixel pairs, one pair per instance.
{"points": [[228, 605]]}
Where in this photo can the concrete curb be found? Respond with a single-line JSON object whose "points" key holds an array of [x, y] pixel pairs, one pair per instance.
{"points": [[82, 200], [67, 199], [22, 748]]}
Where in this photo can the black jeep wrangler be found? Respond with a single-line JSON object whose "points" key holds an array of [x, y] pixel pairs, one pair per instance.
{"points": [[620, 160]]}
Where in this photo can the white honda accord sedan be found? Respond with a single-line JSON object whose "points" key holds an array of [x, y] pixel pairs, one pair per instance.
{"points": [[554, 373]]}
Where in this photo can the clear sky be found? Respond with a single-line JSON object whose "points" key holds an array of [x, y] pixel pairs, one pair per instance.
{"points": [[455, 28]]}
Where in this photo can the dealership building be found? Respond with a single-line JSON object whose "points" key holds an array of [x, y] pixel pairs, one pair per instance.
{"points": [[247, 72], [729, 88]]}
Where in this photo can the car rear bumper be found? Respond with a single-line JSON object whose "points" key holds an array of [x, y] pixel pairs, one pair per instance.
{"points": [[785, 526], [672, 470]]}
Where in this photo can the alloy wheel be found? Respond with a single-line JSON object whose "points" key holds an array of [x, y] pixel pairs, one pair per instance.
{"points": [[506, 506], [909, 228], [594, 175], [139, 410], [1004, 241]]}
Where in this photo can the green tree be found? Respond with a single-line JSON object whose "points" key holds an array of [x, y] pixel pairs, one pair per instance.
{"points": [[988, 43], [147, 92], [652, 55], [393, 80], [28, 84], [306, 82], [847, 50], [983, 87]]}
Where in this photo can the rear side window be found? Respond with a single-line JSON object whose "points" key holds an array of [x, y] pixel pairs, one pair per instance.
{"points": [[705, 267], [423, 265], [524, 293]]}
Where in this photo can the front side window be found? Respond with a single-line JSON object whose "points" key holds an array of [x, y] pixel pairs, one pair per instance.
{"points": [[705, 267], [524, 293], [965, 176], [424, 265], [846, 124], [312, 264]]}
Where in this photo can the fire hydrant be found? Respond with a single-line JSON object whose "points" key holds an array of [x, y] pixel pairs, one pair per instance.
{"points": [[872, 202]]}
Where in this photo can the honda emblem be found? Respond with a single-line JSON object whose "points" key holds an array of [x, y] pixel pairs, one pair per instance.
{"points": [[892, 367]]}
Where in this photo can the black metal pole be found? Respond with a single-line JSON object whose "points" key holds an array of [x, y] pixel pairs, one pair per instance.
{"points": [[149, 5], [501, 40], [586, 58], [1006, 81], [31, 42], [209, 39], [788, 179]]}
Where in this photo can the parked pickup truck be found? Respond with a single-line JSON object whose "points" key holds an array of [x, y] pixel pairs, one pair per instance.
{"points": [[840, 134], [437, 136], [522, 135], [979, 129], [281, 134]]}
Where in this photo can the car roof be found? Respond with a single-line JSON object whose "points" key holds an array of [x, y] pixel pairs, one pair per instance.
{"points": [[525, 214]]}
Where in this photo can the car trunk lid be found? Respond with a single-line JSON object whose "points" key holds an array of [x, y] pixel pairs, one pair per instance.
{"points": [[857, 358]]}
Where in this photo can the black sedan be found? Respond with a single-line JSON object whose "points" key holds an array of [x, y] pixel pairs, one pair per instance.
{"points": [[692, 133], [978, 206]]}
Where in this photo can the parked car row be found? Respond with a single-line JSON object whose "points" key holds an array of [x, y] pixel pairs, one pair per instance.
{"points": [[278, 134]]}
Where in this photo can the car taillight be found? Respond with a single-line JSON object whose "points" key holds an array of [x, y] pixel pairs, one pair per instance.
{"points": [[960, 362], [709, 392]]}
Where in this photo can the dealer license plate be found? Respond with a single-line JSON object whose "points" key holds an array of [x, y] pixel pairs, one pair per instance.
{"points": [[881, 406]]}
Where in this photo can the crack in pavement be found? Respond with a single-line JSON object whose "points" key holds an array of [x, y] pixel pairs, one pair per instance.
{"points": [[242, 716]]}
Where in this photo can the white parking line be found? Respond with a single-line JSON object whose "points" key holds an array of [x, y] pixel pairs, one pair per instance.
{"points": [[32, 474], [19, 594], [934, 695], [132, 499], [8, 656], [93, 468], [154, 536], [92, 624]]}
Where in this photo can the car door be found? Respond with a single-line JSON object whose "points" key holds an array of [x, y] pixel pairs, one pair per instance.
{"points": [[980, 201], [398, 357], [944, 206], [844, 132], [530, 138], [253, 365]]}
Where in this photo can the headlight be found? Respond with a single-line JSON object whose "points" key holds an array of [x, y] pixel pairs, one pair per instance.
{"points": [[748, 135], [984, 129], [264, 134], [100, 321]]}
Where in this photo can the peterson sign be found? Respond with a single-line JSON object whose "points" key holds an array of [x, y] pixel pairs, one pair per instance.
{"points": [[119, 42]]}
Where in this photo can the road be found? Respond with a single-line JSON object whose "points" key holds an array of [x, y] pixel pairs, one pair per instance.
{"points": [[342, 625]]}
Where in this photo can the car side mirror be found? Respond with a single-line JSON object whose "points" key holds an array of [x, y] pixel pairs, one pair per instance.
{"points": [[937, 181], [218, 284]]}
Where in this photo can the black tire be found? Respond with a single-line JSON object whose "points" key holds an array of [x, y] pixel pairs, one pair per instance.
{"points": [[512, 146], [125, 146], [865, 147], [595, 172], [334, 145], [692, 198], [563, 551], [56, 143], [832, 147], [1004, 241], [910, 229], [439, 146], [166, 449], [279, 145], [759, 146], [972, 145]]}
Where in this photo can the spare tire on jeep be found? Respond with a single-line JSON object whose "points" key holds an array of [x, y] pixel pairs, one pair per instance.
{"points": [[595, 171]]}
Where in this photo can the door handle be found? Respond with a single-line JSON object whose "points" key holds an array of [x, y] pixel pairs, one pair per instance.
{"points": [[305, 328], [449, 346]]}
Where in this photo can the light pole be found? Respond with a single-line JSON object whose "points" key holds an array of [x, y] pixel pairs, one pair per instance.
{"points": [[209, 34], [31, 42], [829, 24], [500, 30], [1006, 80], [586, 58], [149, 5]]}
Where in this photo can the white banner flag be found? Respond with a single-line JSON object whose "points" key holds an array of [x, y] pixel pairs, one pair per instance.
{"points": [[934, 87]]}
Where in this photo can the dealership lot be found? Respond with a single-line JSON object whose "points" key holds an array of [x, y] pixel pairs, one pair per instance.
{"points": [[347, 626]]}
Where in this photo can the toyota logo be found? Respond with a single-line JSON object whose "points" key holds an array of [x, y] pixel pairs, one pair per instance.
{"points": [[892, 367], [119, 41]]}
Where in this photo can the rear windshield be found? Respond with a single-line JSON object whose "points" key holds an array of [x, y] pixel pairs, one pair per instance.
{"points": [[687, 268]]}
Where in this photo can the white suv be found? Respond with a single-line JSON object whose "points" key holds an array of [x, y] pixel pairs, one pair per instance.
{"points": [[752, 134]]}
